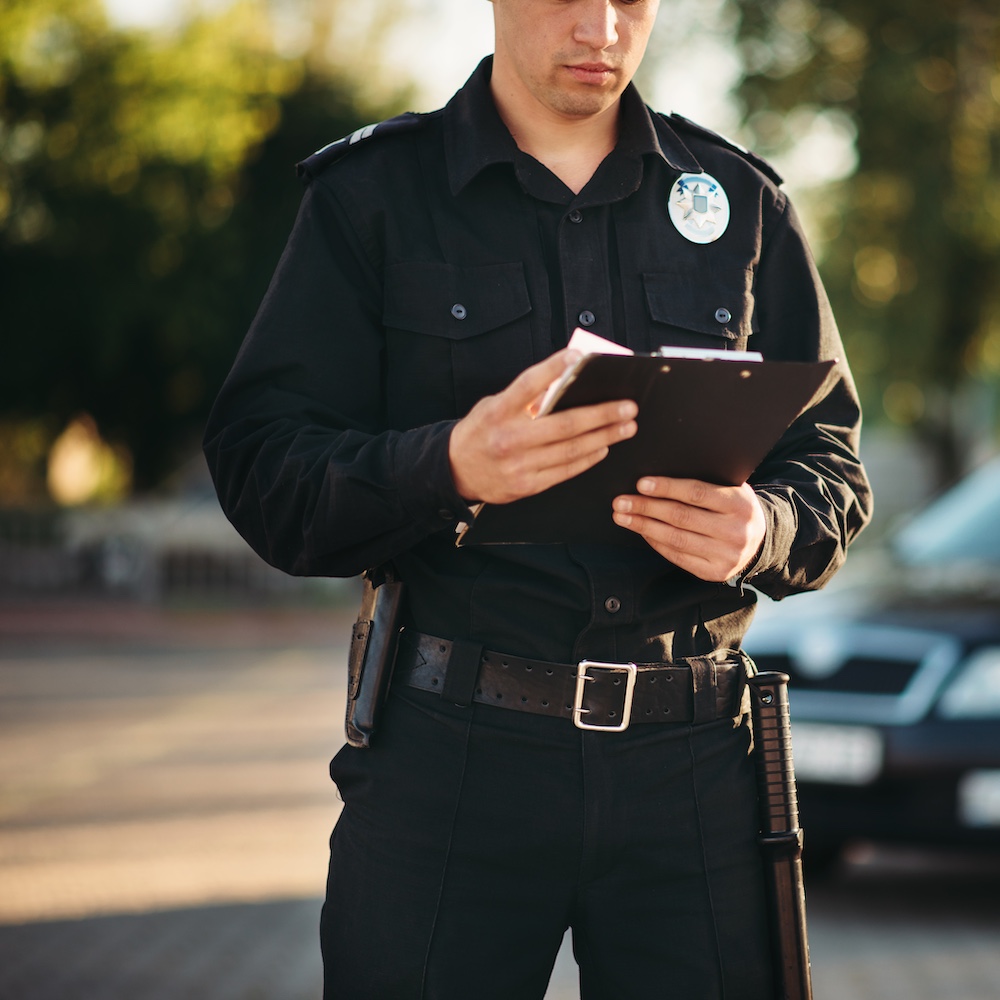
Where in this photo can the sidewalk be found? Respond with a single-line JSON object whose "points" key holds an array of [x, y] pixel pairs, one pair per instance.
{"points": [[78, 621]]}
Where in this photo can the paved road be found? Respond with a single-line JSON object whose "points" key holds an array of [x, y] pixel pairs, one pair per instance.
{"points": [[164, 810]]}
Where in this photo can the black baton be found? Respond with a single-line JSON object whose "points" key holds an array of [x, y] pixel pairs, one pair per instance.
{"points": [[780, 836]]}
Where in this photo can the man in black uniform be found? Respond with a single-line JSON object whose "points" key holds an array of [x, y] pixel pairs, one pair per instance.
{"points": [[437, 266]]}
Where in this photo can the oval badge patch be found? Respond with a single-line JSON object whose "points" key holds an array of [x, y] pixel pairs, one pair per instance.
{"points": [[698, 207]]}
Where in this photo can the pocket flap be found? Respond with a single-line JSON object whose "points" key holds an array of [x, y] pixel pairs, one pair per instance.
{"points": [[444, 300], [719, 304]]}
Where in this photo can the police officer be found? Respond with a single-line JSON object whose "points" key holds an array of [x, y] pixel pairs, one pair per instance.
{"points": [[423, 302]]}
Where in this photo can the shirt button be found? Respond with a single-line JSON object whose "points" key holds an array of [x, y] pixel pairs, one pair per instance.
{"points": [[575, 216], [460, 312], [587, 318], [723, 315], [612, 605], [446, 515]]}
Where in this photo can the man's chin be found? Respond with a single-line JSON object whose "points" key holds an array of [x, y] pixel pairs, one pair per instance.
{"points": [[583, 103]]}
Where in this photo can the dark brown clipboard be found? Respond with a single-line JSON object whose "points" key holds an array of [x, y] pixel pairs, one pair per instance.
{"points": [[708, 419]]}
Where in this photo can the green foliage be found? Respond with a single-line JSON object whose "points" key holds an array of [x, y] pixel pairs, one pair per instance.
{"points": [[146, 188], [912, 248]]}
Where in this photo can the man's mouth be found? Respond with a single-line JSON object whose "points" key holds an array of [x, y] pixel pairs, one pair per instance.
{"points": [[591, 72]]}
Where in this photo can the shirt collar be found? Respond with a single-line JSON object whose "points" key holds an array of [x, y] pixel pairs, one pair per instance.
{"points": [[476, 137]]}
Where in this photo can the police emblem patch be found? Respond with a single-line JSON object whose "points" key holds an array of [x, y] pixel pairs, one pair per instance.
{"points": [[698, 207]]}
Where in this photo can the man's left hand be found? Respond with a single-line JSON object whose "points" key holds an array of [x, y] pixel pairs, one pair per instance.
{"points": [[711, 531]]}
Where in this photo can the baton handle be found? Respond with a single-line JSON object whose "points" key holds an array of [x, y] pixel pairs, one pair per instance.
{"points": [[772, 736]]}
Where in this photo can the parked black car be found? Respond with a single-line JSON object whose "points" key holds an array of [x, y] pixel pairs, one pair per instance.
{"points": [[895, 684]]}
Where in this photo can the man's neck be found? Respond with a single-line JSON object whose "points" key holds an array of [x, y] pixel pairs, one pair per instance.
{"points": [[571, 147]]}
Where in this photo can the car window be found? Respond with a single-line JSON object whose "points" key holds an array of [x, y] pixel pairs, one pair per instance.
{"points": [[962, 524]]}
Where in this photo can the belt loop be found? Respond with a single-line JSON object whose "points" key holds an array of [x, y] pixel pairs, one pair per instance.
{"points": [[462, 672], [703, 684]]}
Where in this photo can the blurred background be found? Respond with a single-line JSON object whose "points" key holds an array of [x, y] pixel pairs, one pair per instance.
{"points": [[168, 702]]}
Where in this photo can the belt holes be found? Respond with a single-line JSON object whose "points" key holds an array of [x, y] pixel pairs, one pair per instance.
{"points": [[499, 696], [669, 677], [434, 681], [618, 681], [545, 704], [524, 700], [666, 711], [528, 667], [549, 671], [479, 690], [568, 707], [504, 664], [652, 680], [611, 715], [443, 648], [649, 711]]}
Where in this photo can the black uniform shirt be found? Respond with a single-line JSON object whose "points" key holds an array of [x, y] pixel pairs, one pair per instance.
{"points": [[431, 262]]}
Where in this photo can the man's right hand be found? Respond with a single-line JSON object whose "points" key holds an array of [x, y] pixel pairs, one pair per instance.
{"points": [[499, 452]]}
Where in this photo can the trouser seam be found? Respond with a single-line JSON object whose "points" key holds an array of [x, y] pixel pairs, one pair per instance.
{"points": [[447, 858], [720, 965]]}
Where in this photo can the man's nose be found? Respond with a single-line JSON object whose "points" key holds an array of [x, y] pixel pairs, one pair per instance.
{"points": [[598, 24]]}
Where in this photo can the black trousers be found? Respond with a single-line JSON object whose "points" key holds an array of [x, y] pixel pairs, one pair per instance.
{"points": [[471, 838]]}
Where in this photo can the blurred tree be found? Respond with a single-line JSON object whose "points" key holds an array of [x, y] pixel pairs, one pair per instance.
{"points": [[911, 239], [146, 189]]}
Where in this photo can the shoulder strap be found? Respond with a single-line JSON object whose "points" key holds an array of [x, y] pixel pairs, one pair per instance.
{"points": [[682, 124], [313, 165]]}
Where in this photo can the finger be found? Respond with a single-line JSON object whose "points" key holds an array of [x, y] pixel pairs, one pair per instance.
{"points": [[693, 492], [533, 381], [543, 445], [576, 430], [580, 419], [662, 533], [683, 549], [695, 565], [520, 467], [568, 452], [678, 515]]}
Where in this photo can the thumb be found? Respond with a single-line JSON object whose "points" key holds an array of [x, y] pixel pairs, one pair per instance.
{"points": [[533, 381]]}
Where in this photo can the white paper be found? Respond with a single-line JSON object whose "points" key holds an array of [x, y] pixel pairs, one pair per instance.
{"points": [[708, 354], [586, 343]]}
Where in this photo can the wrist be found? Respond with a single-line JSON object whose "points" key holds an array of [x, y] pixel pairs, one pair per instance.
{"points": [[739, 578]]}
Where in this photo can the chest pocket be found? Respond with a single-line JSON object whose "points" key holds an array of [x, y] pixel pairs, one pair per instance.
{"points": [[453, 335], [691, 307]]}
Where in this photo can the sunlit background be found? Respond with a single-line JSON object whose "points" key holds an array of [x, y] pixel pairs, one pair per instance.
{"points": [[146, 188], [147, 184]]}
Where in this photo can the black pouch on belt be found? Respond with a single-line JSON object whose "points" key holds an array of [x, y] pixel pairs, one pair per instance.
{"points": [[373, 653]]}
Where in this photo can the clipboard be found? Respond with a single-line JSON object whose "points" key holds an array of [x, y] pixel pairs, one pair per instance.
{"points": [[699, 418]]}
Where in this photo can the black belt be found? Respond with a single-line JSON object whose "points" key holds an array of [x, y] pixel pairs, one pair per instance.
{"points": [[593, 694]]}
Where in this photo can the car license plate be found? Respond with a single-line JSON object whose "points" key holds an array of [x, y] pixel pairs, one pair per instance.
{"points": [[979, 798], [842, 755]]}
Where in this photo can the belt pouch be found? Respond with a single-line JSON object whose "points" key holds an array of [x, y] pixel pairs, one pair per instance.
{"points": [[372, 655]]}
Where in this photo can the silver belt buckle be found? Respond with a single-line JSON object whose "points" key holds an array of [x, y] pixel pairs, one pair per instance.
{"points": [[582, 676]]}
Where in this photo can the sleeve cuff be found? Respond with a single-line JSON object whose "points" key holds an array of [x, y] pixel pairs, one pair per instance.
{"points": [[779, 535], [423, 473]]}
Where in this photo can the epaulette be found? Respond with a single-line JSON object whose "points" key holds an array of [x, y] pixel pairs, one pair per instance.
{"points": [[685, 124], [313, 165]]}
